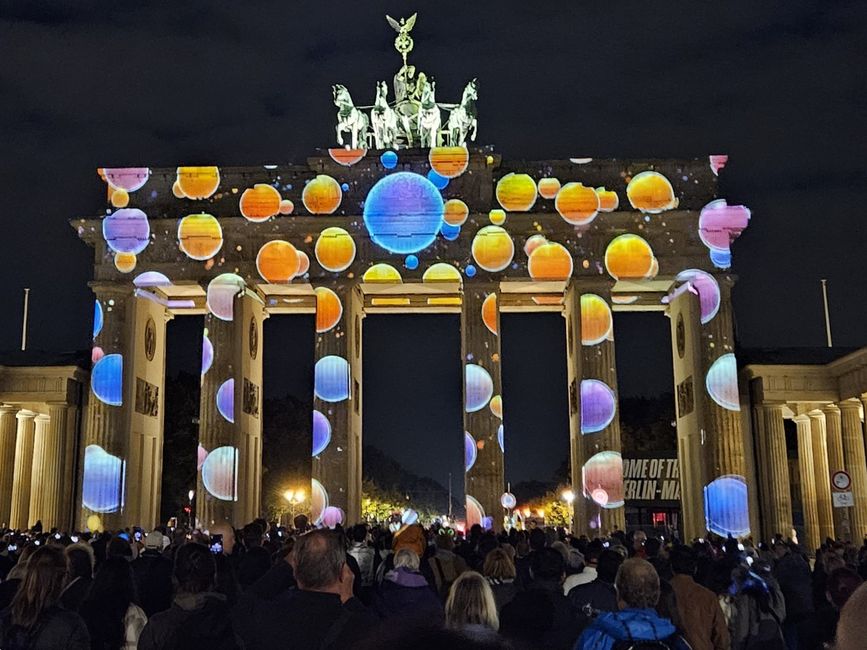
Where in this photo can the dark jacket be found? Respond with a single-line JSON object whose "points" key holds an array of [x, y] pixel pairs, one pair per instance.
{"points": [[541, 617], [153, 580], [598, 594], [272, 613], [194, 620], [75, 593], [628, 625], [504, 591], [406, 595], [56, 629], [793, 575]]}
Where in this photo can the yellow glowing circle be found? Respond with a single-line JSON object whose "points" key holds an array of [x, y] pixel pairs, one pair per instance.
{"points": [[335, 249], [578, 205], [384, 273], [629, 257], [277, 261], [120, 198], [548, 187], [596, 320], [493, 248], [329, 309], [198, 182], [651, 192], [449, 162], [303, 263], [260, 202], [177, 191], [489, 313], [322, 195], [516, 192], [200, 236], [455, 212], [654, 269], [286, 206], [124, 262], [550, 261], [497, 217], [94, 523], [441, 272], [496, 406], [608, 200]]}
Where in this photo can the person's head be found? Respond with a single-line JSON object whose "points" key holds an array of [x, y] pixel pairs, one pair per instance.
{"points": [[607, 566], [79, 560], [547, 565], [652, 547], [406, 559], [471, 602], [41, 586], [225, 529], [195, 570], [319, 560], [499, 565], [637, 584], [639, 538], [852, 626], [445, 542], [841, 584], [119, 547], [113, 585], [781, 549], [683, 560], [359, 533], [153, 541], [537, 539], [253, 535]]}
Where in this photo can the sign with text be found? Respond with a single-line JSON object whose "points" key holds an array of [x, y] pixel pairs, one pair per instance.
{"points": [[651, 478], [843, 499]]}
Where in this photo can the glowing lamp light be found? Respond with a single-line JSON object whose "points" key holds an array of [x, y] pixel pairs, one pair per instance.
{"points": [[568, 496], [508, 501]]}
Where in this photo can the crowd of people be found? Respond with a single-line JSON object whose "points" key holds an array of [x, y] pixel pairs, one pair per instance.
{"points": [[268, 587]]}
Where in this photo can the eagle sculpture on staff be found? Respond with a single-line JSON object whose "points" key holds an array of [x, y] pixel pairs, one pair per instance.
{"points": [[403, 43]]}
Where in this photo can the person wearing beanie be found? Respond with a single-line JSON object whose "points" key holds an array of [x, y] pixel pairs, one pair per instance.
{"points": [[153, 575]]}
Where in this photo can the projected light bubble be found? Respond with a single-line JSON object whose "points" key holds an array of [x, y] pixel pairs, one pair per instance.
{"points": [[489, 313], [470, 451], [207, 353], [200, 236], [548, 187], [126, 231], [497, 217], [303, 263], [726, 506], [721, 259], [708, 292], [125, 262], [286, 207], [550, 261], [226, 400], [322, 195], [717, 162], [151, 279], [331, 379], [201, 457], [408, 517], [533, 242], [102, 484], [516, 192], [439, 182], [493, 248], [98, 318], [198, 182], [628, 257], [455, 212], [449, 162], [96, 354], [496, 406], [221, 295], [479, 387], [106, 379], [220, 473], [598, 405], [120, 198], [128, 179], [470, 270], [608, 200], [321, 432], [329, 309], [578, 205], [500, 439], [719, 224], [383, 273], [388, 159], [403, 212], [508, 500], [475, 512], [603, 477], [347, 157], [722, 382], [335, 249], [318, 501], [441, 272], [259, 203], [411, 262], [277, 262], [651, 192], [450, 233], [596, 319], [332, 516]]}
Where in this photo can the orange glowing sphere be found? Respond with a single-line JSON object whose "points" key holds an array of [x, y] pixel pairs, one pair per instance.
{"points": [[286, 206], [346, 157], [651, 192], [629, 257], [329, 309], [124, 262], [496, 406], [455, 212], [449, 162], [200, 236], [533, 242], [322, 195], [577, 204], [277, 262], [177, 191], [384, 273], [516, 192], [548, 187], [608, 200], [335, 249], [198, 182], [303, 263], [596, 319], [493, 248], [489, 313], [120, 198], [260, 202], [550, 261]]}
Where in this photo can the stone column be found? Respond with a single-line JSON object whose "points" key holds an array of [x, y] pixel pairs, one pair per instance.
{"points": [[856, 464], [777, 499], [20, 509], [8, 426], [823, 476], [574, 356], [806, 469], [46, 485], [834, 431]]}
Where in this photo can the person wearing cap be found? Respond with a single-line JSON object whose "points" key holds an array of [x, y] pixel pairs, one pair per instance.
{"points": [[153, 575]]}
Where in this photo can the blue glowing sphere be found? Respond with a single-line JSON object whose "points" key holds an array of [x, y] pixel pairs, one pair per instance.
{"points": [[220, 473], [331, 379], [438, 180], [721, 259], [470, 451], [226, 400], [126, 231], [450, 232], [403, 213], [411, 262], [345, 187], [598, 405], [98, 318], [207, 353], [106, 379], [388, 159], [478, 387], [321, 432], [102, 483], [501, 440], [470, 271], [726, 506]]}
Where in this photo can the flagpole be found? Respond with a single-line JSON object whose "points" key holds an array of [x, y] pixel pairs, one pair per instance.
{"points": [[827, 314], [24, 319]]}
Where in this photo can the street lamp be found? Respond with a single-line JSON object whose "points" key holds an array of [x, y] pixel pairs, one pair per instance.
{"points": [[569, 497], [294, 498], [190, 495]]}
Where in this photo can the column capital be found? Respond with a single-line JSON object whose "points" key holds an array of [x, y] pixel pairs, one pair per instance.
{"points": [[119, 289], [831, 408], [42, 417], [801, 418], [817, 414], [24, 414], [6, 409], [770, 406], [849, 405]]}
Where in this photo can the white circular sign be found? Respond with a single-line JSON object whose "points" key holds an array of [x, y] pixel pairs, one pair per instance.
{"points": [[841, 481], [508, 501]]}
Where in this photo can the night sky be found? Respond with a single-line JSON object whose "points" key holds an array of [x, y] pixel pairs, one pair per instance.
{"points": [[779, 86]]}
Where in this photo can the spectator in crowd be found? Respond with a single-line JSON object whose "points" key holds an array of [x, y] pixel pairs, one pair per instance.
{"points": [[153, 575], [500, 573], [363, 554], [758, 610], [704, 625], [839, 586], [113, 618], [256, 560], [79, 575], [600, 594], [445, 565], [588, 573], [471, 608], [852, 628], [404, 593], [792, 573]]}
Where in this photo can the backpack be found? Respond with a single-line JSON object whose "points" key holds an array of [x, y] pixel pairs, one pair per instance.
{"points": [[445, 574], [674, 642]]}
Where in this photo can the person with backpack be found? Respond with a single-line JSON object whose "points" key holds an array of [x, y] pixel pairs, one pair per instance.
{"points": [[636, 626], [758, 610], [445, 565]]}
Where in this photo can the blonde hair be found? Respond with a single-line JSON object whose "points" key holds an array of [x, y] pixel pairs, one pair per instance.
{"points": [[499, 565], [406, 558], [471, 602]]}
